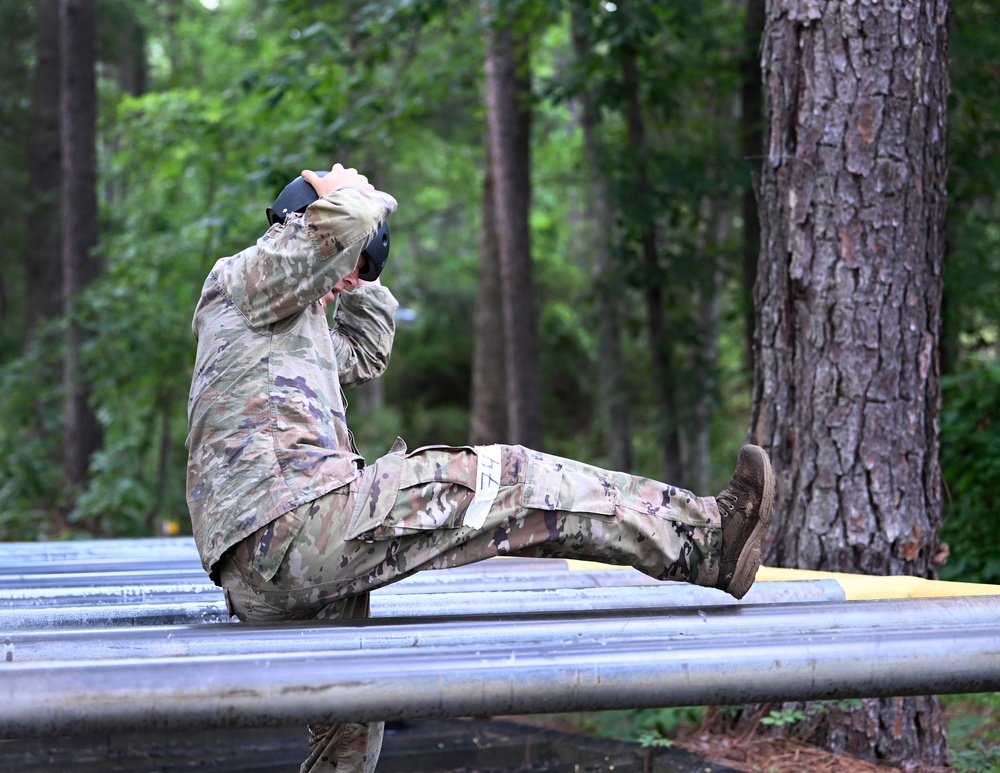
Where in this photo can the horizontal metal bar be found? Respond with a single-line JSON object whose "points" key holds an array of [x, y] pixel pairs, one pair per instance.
{"points": [[210, 607], [153, 555], [133, 593], [14, 554], [112, 616], [668, 626], [247, 690], [661, 596], [96, 577], [52, 585], [41, 588]]}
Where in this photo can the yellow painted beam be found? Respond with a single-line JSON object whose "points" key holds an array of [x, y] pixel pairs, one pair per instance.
{"points": [[863, 586], [856, 586]]}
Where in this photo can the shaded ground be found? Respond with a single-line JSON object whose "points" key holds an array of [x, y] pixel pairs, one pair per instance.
{"points": [[763, 755], [441, 746], [540, 744]]}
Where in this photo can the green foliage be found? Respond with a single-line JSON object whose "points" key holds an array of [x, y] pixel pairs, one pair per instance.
{"points": [[30, 402], [655, 740], [974, 732], [972, 277], [970, 465], [15, 101], [649, 727], [970, 440], [979, 757], [787, 716]]}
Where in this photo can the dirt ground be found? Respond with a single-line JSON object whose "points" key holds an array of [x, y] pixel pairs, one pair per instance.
{"points": [[766, 755], [756, 755]]}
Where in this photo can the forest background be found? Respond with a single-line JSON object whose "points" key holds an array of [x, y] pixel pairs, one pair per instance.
{"points": [[206, 108], [141, 143]]}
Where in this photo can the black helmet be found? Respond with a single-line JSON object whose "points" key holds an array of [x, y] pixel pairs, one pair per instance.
{"points": [[299, 194], [295, 197], [375, 254]]}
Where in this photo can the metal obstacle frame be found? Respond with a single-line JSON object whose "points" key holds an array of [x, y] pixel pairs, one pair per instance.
{"points": [[85, 653]]}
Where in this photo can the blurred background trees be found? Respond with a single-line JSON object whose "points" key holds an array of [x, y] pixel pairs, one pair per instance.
{"points": [[640, 132], [639, 120], [574, 251]]}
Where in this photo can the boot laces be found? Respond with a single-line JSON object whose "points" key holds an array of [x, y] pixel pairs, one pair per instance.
{"points": [[727, 501]]}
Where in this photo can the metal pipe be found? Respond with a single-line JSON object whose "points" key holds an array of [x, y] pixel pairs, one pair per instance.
{"points": [[133, 593], [118, 575], [210, 607], [112, 616], [151, 548], [109, 555], [176, 693], [102, 583], [667, 626]]}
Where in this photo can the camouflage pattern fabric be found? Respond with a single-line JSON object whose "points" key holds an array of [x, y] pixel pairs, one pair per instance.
{"points": [[405, 513], [293, 525], [268, 429]]}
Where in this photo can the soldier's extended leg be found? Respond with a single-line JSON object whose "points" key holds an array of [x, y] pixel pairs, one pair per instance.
{"points": [[442, 507]]}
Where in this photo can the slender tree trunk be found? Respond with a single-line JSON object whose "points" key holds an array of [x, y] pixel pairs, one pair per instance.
{"points": [[508, 125], [79, 220], [133, 72], [716, 222], [846, 393], [44, 269], [598, 238], [489, 396], [752, 134], [132, 79], [661, 348]]}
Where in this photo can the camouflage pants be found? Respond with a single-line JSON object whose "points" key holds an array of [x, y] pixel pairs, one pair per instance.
{"points": [[440, 507]]}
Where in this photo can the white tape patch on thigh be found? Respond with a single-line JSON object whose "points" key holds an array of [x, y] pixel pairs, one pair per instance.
{"points": [[487, 485]]}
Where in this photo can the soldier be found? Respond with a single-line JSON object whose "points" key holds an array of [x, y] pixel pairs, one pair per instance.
{"points": [[293, 524]]}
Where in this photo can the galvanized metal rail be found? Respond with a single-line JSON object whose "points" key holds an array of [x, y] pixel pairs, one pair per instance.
{"points": [[526, 639], [108, 583], [89, 696], [664, 628]]}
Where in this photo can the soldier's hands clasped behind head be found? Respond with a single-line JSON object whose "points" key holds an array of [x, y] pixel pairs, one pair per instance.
{"points": [[337, 177]]}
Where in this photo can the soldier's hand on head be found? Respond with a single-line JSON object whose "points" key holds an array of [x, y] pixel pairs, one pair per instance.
{"points": [[337, 177]]}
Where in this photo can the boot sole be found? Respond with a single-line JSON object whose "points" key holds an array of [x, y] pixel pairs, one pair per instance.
{"points": [[749, 560]]}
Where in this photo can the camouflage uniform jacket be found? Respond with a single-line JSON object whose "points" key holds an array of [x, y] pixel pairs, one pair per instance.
{"points": [[266, 415]]}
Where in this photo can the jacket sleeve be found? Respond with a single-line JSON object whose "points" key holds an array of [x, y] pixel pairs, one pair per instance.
{"points": [[363, 330], [298, 262]]}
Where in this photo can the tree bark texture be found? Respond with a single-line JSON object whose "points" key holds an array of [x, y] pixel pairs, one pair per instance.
{"points": [[508, 125], [78, 133], [488, 420], [44, 268], [598, 239], [846, 394]]}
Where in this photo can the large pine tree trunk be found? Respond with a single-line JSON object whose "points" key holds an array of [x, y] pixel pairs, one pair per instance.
{"points": [[598, 238], [44, 270], [508, 114], [78, 133], [846, 394]]}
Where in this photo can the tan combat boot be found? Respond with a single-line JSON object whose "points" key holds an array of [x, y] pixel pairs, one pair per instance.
{"points": [[745, 506]]}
